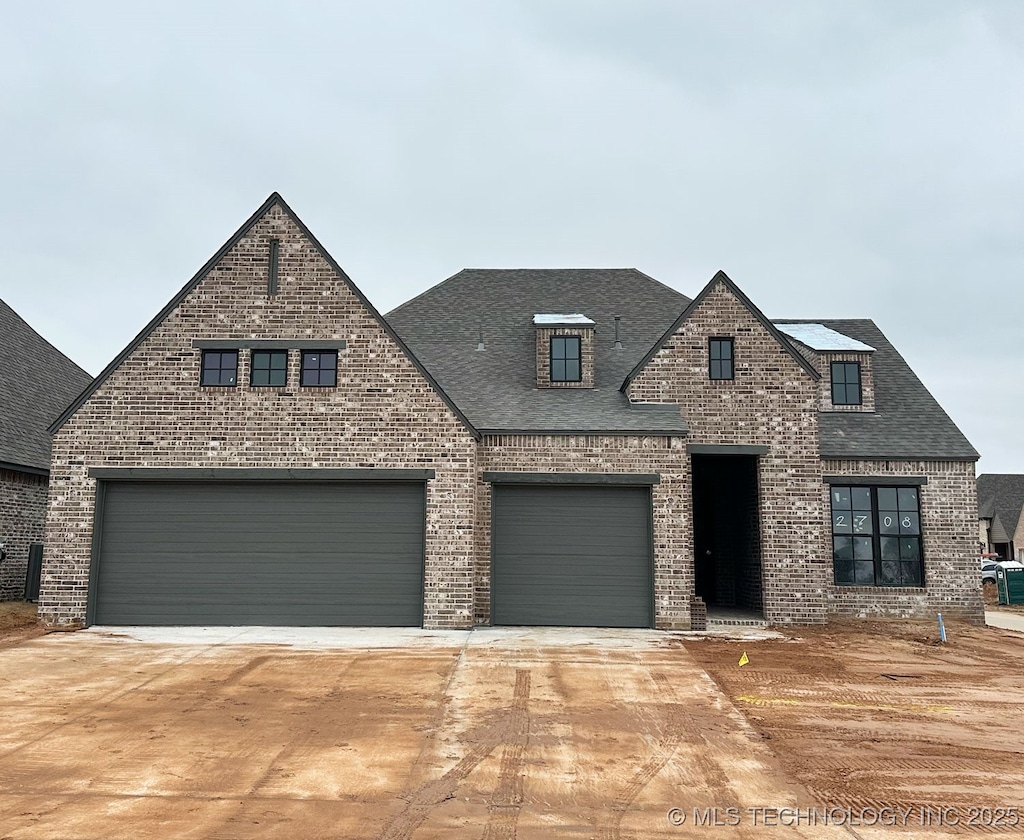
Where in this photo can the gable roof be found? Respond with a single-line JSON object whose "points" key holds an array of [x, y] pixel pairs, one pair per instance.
{"points": [[907, 422], [723, 278], [1001, 495], [273, 199], [497, 387], [38, 382]]}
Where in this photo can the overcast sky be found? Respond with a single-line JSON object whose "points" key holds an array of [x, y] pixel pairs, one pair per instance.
{"points": [[836, 159]]}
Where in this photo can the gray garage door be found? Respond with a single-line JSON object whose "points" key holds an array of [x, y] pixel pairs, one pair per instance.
{"points": [[572, 556], [261, 553]]}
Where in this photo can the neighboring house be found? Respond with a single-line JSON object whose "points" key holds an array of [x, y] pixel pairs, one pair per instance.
{"points": [[574, 447], [1000, 500], [37, 383]]}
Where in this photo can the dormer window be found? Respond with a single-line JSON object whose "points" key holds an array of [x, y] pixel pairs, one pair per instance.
{"points": [[846, 383], [565, 350], [565, 358]]}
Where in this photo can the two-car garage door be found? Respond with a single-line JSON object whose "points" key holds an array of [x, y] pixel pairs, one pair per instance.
{"points": [[270, 553]]}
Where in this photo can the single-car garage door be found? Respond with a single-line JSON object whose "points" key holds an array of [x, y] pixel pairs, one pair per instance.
{"points": [[231, 553], [571, 556]]}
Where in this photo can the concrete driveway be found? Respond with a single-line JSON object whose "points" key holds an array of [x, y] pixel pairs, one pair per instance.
{"points": [[375, 734]]}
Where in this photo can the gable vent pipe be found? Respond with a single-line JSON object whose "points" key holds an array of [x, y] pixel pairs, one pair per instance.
{"points": [[618, 343]]}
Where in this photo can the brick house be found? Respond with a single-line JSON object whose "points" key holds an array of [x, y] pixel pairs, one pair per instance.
{"points": [[1001, 526], [38, 382], [575, 447]]}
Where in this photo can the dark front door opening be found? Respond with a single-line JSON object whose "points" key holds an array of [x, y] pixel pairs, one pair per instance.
{"points": [[726, 536]]}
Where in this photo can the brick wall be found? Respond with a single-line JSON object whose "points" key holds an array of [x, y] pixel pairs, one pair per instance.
{"points": [[673, 566], [22, 523], [948, 542], [151, 412], [772, 402], [586, 335]]}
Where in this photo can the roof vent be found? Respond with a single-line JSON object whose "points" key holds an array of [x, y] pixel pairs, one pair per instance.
{"points": [[480, 344], [618, 343]]}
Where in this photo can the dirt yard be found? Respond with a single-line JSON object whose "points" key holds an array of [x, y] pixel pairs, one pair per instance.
{"points": [[512, 734], [882, 714]]}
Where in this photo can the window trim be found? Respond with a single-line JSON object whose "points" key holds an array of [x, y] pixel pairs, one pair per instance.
{"points": [[846, 385], [876, 535], [578, 358], [220, 368], [268, 352], [302, 368], [719, 342]]}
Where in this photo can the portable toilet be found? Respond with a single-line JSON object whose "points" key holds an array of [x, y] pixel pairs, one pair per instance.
{"points": [[1010, 582]]}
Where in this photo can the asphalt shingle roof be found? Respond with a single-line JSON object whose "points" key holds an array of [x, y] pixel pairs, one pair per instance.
{"points": [[496, 387], [1002, 495], [37, 384], [907, 422]]}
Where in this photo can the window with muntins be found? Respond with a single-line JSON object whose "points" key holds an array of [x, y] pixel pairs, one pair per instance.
{"points": [[565, 358], [269, 368], [320, 368], [220, 367], [846, 383], [876, 536], [720, 356]]}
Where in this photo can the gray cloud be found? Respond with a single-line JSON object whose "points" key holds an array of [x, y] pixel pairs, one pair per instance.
{"points": [[848, 159]]}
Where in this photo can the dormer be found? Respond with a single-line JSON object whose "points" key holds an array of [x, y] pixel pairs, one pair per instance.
{"points": [[847, 380], [565, 351]]}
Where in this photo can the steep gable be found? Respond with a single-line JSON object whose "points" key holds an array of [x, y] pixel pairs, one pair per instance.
{"points": [[720, 283], [231, 298]]}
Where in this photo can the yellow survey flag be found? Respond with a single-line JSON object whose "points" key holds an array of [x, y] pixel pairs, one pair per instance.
{"points": [[744, 660]]}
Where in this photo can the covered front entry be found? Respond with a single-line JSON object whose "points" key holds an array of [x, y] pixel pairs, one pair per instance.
{"points": [[571, 555], [271, 553], [726, 534]]}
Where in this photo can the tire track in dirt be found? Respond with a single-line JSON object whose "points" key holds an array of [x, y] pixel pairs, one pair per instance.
{"points": [[420, 802], [675, 726], [507, 799]]}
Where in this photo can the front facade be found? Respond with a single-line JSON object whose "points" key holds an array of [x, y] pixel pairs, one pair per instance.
{"points": [[584, 448]]}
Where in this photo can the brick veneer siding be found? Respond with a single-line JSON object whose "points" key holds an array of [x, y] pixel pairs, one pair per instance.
{"points": [[22, 523], [151, 412], [772, 402], [948, 541], [673, 551], [867, 381], [586, 336]]}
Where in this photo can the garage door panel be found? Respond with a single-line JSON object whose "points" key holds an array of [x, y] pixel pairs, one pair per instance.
{"points": [[572, 555], [291, 554]]}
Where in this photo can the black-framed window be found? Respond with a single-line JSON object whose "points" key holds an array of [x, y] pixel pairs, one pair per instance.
{"points": [[720, 358], [269, 368], [220, 367], [320, 368], [846, 383], [565, 358], [876, 536]]}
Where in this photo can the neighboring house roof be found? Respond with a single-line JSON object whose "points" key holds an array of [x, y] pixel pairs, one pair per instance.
{"points": [[907, 422], [497, 386], [1001, 496], [38, 382], [274, 198]]}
